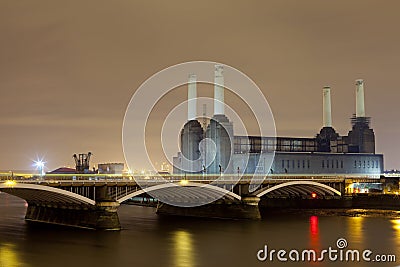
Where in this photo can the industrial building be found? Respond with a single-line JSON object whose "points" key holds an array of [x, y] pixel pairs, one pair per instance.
{"points": [[326, 153], [110, 168]]}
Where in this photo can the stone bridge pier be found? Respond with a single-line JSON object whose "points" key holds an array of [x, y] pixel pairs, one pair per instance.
{"points": [[102, 215], [60, 207], [245, 208]]}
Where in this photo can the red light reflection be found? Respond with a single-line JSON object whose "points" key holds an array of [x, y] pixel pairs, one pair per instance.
{"points": [[314, 233]]}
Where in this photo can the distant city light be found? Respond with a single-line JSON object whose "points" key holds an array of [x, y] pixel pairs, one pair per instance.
{"points": [[184, 182], [10, 183], [39, 165]]}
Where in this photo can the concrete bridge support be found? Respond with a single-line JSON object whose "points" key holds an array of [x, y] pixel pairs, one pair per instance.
{"points": [[50, 207], [102, 216], [247, 208]]}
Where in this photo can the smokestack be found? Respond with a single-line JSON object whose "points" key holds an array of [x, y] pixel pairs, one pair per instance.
{"points": [[219, 90], [327, 109], [360, 108], [192, 95]]}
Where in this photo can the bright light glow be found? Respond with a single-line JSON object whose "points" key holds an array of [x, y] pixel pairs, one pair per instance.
{"points": [[396, 228], [39, 165], [184, 182], [10, 183], [396, 224], [313, 195]]}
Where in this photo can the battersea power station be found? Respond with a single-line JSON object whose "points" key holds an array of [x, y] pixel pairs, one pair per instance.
{"points": [[326, 153]]}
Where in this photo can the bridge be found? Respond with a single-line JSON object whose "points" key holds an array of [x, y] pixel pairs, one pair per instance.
{"points": [[92, 201]]}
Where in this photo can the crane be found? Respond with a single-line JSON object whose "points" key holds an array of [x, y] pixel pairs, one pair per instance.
{"points": [[82, 162]]}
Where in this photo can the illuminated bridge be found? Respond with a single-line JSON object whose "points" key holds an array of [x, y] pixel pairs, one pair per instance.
{"points": [[91, 201]]}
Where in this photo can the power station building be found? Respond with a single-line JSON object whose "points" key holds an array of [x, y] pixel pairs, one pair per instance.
{"points": [[326, 153]]}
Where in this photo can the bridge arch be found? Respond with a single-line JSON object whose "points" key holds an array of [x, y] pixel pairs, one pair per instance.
{"points": [[207, 187], [44, 194], [319, 187]]}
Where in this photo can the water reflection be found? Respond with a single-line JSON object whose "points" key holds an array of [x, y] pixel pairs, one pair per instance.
{"points": [[9, 256], [184, 252], [356, 229], [187, 243], [396, 227], [314, 233]]}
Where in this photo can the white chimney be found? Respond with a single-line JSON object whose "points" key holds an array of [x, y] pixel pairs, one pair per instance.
{"points": [[360, 108], [219, 90], [327, 109], [192, 95]]}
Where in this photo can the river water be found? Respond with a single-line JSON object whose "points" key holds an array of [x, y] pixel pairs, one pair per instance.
{"points": [[150, 240]]}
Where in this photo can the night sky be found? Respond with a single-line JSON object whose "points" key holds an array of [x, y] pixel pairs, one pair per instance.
{"points": [[69, 68]]}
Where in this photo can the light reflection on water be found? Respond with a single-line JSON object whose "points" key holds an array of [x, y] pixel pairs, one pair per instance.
{"points": [[9, 256], [183, 248], [314, 233], [355, 226], [314, 237], [396, 228]]}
